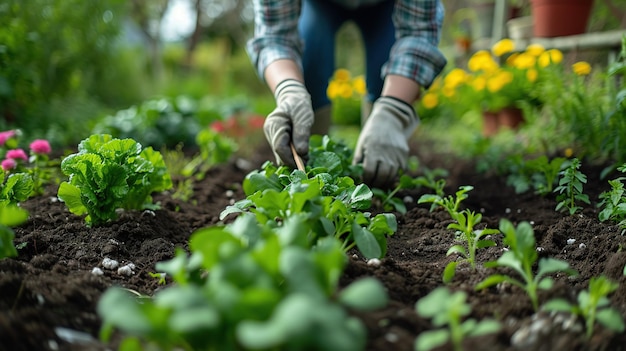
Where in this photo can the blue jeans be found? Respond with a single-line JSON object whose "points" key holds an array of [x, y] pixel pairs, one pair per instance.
{"points": [[319, 22]]}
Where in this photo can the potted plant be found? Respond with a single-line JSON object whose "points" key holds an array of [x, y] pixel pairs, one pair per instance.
{"points": [[554, 18]]}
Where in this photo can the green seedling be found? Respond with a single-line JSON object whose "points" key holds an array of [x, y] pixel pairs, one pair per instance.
{"points": [[613, 202], [10, 216], [266, 289], [429, 180], [464, 224], [570, 189], [593, 304], [447, 309], [521, 258], [107, 174], [449, 203], [539, 173], [215, 149]]}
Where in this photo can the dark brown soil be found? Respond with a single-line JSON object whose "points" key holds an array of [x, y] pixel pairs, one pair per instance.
{"points": [[49, 289]]}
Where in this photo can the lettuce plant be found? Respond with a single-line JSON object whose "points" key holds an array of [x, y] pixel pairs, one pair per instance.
{"points": [[17, 187], [521, 258], [107, 174], [593, 304]]}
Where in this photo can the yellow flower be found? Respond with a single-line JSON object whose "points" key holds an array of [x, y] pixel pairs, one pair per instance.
{"points": [[510, 61], [342, 75], [524, 61], [497, 82], [502, 47], [448, 92], [430, 100], [345, 90], [481, 61], [531, 75], [581, 68], [455, 78], [333, 90], [359, 85], [535, 49], [568, 152], [556, 55], [479, 83]]}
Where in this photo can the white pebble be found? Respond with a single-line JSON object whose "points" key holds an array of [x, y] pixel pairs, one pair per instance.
{"points": [[408, 199], [507, 210], [570, 241], [539, 249], [373, 262], [125, 270], [582, 246], [230, 193], [391, 337], [97, 271], [109, 263]]}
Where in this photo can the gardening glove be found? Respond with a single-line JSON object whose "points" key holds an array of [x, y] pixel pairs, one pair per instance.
{"points": [[383, 147], [291, 121]]}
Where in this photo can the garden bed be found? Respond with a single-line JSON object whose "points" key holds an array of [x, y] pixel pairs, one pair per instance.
{"points": [[48, 294]]}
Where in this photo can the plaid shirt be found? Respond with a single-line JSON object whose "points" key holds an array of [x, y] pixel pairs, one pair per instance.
{"points": [[414, 55]]}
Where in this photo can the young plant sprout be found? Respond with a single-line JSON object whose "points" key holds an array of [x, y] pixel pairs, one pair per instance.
{"points": [[593, 304], [570, 189], [521, 258], [448, 310], [472, 238]]}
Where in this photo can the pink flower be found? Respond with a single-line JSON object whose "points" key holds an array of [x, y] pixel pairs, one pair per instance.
{"points": [[6, 135], [8, 164], [17, 154], [217, 126], [40, 146]]}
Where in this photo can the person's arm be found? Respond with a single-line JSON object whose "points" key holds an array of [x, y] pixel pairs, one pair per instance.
{"points": [[276, 39], [415, 54], [402, 88], [281, 70]]}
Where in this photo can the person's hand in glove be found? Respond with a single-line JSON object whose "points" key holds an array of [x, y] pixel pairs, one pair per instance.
{"points": [[291, 121], [382, 146]]}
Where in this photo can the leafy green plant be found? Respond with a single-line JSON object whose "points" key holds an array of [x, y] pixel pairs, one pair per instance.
{"points": [[266, 288], [570, 189], [15, 188], [107, 174], [464, 224], [521, 258], [430, 179], [449, 309], [539, 173], [449, 203], [613, 202], [215, 148], [593, 304], [10, 216]]}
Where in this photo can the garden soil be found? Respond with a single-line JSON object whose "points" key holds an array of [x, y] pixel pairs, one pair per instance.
{"points": [[48, 294]]}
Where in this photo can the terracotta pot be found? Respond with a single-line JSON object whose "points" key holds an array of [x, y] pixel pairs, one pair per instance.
{"points": [[490, 123], [554, 18], [510, 117]]}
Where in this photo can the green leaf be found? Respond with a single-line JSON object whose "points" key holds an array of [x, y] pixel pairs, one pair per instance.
{"points": [[70, 194], [366, 294], [361, 197], [431, 339], [119, 308], [558, 305], [449, 271], [12, 215], [484, 327], [366, 242], [551, 265], [458, 249], [611, 319]]}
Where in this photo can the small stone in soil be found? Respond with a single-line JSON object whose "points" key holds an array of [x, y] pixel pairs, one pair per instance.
{"points": [[97, 271], [109, 263]]}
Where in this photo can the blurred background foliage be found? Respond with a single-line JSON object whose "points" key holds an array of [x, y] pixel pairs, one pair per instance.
{"points": [[70, 67]]}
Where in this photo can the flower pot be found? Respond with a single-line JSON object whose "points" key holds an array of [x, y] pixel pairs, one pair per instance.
{"points": [[510, 117], [554, 18], [490, 123], [520, 27]]}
